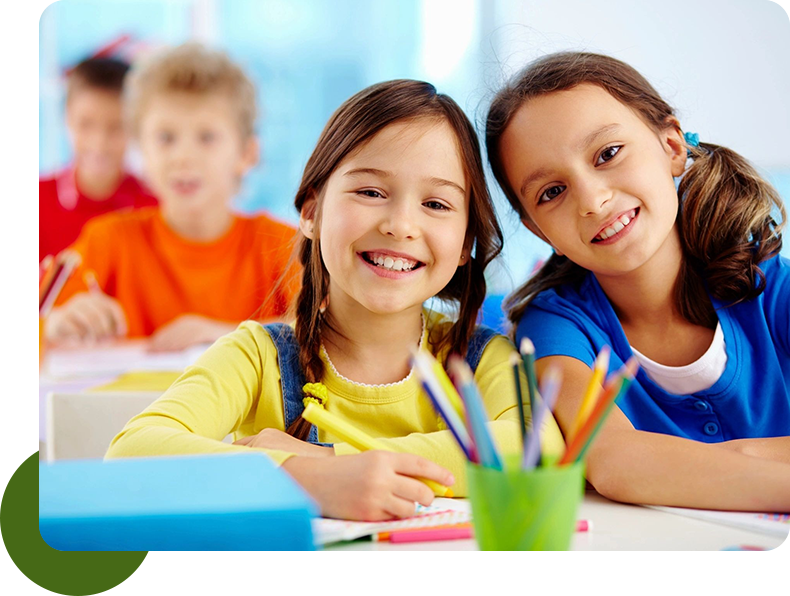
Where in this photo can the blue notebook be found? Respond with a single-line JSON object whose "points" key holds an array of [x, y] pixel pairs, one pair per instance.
{"points": [[217, 502]]}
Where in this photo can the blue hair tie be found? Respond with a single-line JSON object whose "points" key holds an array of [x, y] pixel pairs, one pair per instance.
{"points": [[692, 140]]}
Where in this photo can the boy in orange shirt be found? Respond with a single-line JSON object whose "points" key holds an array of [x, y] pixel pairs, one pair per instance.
{"points": [[96, 182], [190, 270]]}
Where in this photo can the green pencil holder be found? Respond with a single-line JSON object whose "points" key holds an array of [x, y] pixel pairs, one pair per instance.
{"points": [[514, 509]]}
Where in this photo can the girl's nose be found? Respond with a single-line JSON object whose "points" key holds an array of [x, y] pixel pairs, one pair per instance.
{"points": [[592, 195], [400, 221]]}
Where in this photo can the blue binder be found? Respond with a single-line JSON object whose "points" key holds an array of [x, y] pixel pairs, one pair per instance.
{"points": [[217, 502]]}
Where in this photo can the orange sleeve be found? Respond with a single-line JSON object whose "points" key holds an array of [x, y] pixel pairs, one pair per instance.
{"points": [[94, 245]]}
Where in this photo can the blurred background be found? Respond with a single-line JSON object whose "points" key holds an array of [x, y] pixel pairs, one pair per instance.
{"points": [[721, 63]]}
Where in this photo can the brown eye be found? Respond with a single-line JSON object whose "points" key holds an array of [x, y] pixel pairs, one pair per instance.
{"points": [[550, 194], [608, 154]]}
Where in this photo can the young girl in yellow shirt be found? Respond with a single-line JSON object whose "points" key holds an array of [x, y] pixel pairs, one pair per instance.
{"points": [[394, 211]]}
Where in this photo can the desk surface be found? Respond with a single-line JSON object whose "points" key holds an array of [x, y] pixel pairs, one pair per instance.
{"points": [[617, 526]]}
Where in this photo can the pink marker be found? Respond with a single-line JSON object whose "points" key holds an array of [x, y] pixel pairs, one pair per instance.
{"points": [[431, 534]]}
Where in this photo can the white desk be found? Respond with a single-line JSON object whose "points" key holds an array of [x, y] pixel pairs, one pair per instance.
{"points": [[617, 526]]}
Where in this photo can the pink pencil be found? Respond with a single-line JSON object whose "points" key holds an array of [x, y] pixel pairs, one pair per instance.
{"points": [[431, 534]]}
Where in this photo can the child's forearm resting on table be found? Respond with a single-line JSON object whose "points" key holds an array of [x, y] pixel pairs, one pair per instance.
{"points": [[650, 468], [158, 435]]}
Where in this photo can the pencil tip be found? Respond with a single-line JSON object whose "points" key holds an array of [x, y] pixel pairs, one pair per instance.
{"points": [[527, 347], [631, 367], [515, 359]]}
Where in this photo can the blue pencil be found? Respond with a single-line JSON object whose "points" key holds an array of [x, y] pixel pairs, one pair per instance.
{"points": [[440, 402], [476, 415]]}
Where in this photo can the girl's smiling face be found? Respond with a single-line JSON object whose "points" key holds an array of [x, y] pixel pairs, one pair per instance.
{"points": [[595, 181], [393, 218]]}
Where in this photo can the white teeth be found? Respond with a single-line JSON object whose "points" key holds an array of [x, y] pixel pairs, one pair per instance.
{"points": [[393, 264], [617, 226]]}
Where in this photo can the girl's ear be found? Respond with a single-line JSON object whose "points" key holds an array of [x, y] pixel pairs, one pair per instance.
{"points": [[674, 146], [307, 217], [530, 225]]}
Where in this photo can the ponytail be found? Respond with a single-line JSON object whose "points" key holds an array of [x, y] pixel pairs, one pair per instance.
{"points": [[728, 226]]}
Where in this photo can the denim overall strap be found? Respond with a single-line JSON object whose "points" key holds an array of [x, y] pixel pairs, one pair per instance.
{"points": [[480, 339], [292, 379]]}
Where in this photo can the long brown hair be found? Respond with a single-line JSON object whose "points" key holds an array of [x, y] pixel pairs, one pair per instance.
{"points": [[354, 122], [726, 219]]}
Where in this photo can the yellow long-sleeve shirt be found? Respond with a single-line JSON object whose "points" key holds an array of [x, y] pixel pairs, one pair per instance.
{"points": [[235, 388]]}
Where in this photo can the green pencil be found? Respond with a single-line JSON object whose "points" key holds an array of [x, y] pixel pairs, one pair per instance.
{"points": [[627, 379], [515, 362], [528, 361]]}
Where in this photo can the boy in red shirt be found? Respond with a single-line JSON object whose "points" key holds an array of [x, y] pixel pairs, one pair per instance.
{"points": [[96, 182], [191, 269]]}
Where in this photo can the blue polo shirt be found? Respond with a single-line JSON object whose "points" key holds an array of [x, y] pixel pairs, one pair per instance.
{"points": [[750, 399]]}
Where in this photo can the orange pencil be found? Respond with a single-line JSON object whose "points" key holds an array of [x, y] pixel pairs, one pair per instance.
{"points": [[593, 390], [603, 406]]}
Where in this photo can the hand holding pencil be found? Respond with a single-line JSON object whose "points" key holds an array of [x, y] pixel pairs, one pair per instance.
{"points": [[87, 317]]}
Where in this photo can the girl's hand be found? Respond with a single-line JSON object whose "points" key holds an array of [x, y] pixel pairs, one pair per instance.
{"points": [[188, 330], [370, 486], [87, 317], [271, 438]]}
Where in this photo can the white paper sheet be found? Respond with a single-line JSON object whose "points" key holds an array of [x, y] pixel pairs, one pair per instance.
{"points": [[116, 359]]}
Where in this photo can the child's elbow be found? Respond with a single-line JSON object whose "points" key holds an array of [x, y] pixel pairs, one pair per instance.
{"points": [[119, 446]]}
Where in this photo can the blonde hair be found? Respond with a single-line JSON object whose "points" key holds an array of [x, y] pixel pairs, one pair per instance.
{"points": [[730, 219], [190, 68]]}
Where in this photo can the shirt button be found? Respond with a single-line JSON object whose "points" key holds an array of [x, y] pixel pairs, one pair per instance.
{"points": [[701, 405], [710, 428]]}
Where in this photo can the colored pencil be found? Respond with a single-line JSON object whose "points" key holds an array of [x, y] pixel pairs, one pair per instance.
{"points": [[612, 390], [527, 349], [456, 383], [68, 261], [424, 369], [628, 377], [448, 387], [515, 362], [550, 389], [476, 415], [592, 392], [385, 536], [431, 535]]}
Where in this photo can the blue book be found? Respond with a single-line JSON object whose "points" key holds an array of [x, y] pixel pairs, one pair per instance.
{"points": [[216, 502]]}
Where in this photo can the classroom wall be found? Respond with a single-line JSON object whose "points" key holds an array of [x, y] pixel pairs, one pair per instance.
{"points": [[722, 64]]}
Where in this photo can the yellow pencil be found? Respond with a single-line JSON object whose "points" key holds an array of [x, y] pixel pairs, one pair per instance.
{"points": [[600, 366], [447, 386], [356, 438]]}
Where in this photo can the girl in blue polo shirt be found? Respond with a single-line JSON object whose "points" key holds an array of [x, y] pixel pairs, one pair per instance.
{"points": [[682, 274]]}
